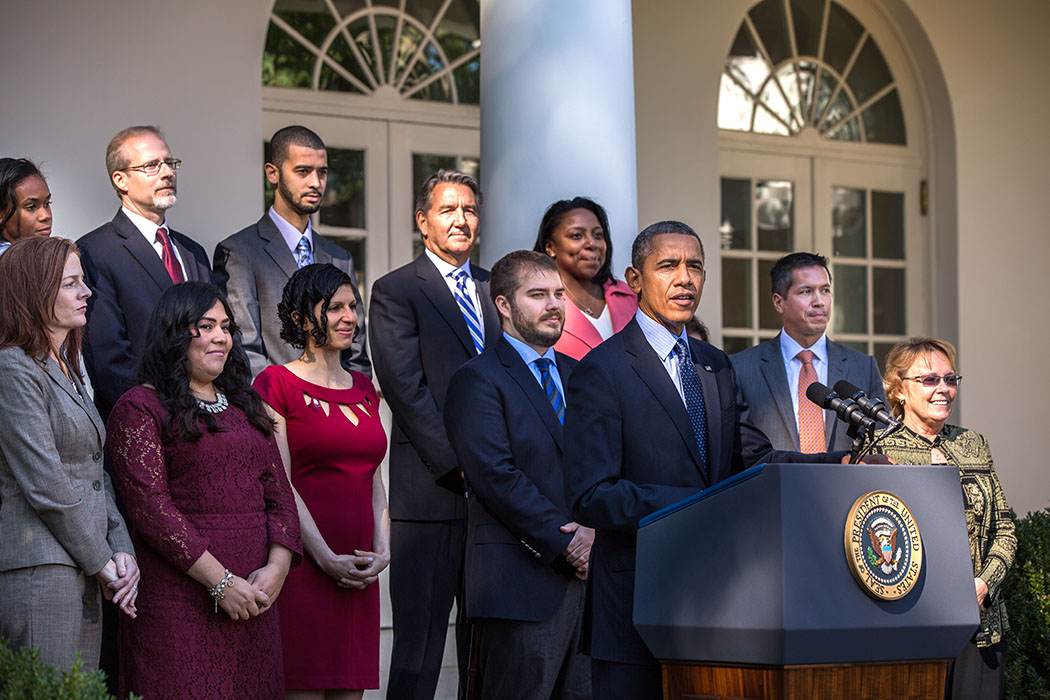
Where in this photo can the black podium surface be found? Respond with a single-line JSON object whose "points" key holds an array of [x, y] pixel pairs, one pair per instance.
{"points": [[754, 571]]}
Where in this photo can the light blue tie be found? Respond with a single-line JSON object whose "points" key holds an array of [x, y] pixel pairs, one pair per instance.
{"points": [[466, 306], [303, 255], [547, 382], [694, 399]]}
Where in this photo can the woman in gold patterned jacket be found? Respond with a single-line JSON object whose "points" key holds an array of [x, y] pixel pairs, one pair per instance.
{"points": [[921, 386]]}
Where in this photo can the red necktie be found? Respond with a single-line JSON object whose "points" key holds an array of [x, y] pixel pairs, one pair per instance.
{"points": [[810, 415], [171, 263]]}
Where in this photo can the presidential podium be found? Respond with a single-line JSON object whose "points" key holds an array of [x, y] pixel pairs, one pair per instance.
{"points": [[745, 592]]}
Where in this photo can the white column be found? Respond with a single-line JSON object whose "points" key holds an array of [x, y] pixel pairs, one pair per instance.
{"points": [[557, 117]]}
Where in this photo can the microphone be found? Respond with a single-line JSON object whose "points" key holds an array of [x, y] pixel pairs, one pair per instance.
{"points": [[873, 408], [846, 409]]}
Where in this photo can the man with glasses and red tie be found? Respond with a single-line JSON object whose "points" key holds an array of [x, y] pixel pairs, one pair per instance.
{"points": [[130, 260], [253, 265]]}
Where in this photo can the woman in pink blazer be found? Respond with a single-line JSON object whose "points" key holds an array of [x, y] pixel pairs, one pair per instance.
{"points": [[576, 234]]}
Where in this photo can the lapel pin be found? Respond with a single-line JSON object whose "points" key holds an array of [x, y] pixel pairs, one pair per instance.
{"points": [[707, 367]]}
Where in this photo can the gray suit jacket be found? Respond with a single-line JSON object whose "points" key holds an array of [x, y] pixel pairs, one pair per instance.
{"points": [[762, 379], [252, 267], [57, 502]]}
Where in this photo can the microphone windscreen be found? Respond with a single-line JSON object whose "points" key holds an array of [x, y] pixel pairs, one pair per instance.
{"points": [[844, 388], [818, 393]]}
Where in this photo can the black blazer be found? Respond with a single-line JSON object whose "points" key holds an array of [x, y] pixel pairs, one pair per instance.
{"points": [[126, 277], [630, 450], [508, 441], [252, 266], [418, 339]]}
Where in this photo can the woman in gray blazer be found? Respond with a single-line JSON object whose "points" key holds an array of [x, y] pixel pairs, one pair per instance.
{"points": [[62, 535]]}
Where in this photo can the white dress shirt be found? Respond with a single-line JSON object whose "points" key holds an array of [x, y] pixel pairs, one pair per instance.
{"points": [[290, 233], [663, 342], [149, 230], [446, 268]]}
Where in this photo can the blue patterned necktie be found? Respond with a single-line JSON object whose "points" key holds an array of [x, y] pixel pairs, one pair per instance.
{"points": [[466, 306], [694, 398], [547, 382], [303, 255]]}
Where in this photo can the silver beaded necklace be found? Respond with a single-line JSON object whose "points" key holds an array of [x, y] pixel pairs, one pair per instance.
{"points": [[218, 407]]}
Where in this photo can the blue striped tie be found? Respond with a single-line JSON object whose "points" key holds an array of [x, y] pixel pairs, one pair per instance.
{"points": [[466, 305], [547, 382], [694, 398]]}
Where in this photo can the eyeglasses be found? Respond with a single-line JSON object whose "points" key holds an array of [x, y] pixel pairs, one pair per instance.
{"points": [[153, 167], [931, 381]]}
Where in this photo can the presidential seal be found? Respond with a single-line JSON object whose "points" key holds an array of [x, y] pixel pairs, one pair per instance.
{"points": [[883, 545]]}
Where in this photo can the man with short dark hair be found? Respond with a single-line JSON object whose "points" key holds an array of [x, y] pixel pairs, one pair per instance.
{"points": [[503, 416], [130, 260], [653, 417], [775, 375], [253, 265], [427, 318]]}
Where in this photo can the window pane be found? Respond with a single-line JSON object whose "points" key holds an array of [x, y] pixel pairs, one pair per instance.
{"points": [[771, 24], [887, 224], [851, 299], [468, 82], [882, 350], [870, 73], [732, 345], [826, 83], [736, 214], [356, 248], [848, 222], [775, 214], [767, 316], [344, 198], [807, 16], [745, 63], [888, 289], [883, 121], [773, 99], [766, 123], [734, 106], [850, 131], [308, 17], [736, 293], [286, 62], [840, 108], [858, 345], [340, 52], [844, 31], [423, 166]]}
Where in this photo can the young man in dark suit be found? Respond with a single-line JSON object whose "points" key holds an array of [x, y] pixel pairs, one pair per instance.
{"points": [[653, 417], [130, 260], [773, 375], [427, 318], [526, 560], [253, 265]]}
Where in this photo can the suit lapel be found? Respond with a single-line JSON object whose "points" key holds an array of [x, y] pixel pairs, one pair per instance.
{"points": [[54, 373], [524, 378], [189, 261], [709, 384], [489, 315], [836, 371], [776, 379], [651, 370], [276, 247], [140, 249], [437, 292]]}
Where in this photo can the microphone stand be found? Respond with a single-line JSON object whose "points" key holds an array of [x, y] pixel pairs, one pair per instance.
{"points": [[859, 433]]}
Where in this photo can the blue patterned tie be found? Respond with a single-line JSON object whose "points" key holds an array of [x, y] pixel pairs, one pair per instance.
{"points": [[466, 305], [547, 382], [303, 255], [694, 398]]}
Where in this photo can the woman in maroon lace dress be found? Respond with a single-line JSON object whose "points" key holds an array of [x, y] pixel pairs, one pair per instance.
{"points": [[212, 513], [327, 425]]}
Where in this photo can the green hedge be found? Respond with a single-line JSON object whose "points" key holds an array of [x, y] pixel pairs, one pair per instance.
{"points": [[1027, 591], [23, 676]]}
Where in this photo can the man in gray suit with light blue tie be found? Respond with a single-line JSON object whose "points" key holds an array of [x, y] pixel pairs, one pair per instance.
{"points": [[773, 376]]}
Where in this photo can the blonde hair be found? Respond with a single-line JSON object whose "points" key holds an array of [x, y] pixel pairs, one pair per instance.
{"points": [[901, 357]]}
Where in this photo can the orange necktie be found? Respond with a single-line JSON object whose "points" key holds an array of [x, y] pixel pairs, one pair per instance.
{"points": [[810, 415]]}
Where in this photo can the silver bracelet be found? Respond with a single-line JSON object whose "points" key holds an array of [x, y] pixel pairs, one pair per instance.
{"points": [[218, 592]]}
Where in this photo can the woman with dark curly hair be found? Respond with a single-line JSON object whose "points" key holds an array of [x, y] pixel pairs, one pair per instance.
{"points": [[212, 513], [25, 202], [327, 426]]}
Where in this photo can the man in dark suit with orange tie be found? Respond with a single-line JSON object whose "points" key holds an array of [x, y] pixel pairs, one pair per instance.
{"points": [[526, 560], [653, 417], [427, 318], [130, 260]]}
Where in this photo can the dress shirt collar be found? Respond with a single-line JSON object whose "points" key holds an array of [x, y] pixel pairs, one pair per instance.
{"points": [[662, 340], [289, 233], [528, 354], [790, 348], [445, 267], [145, 226]]}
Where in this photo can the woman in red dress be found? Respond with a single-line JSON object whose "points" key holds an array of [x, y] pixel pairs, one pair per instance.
{"points": [[332, 441], [212, 513]]}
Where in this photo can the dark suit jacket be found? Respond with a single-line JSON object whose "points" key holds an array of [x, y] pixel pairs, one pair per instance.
{"points": [[764, 384], [252, 266], [419, 338], [126, 277], [630, 450], [508, 441]]}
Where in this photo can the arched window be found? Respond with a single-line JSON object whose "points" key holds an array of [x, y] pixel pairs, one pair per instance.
{"points": [[817, 154], [419, 49]]}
